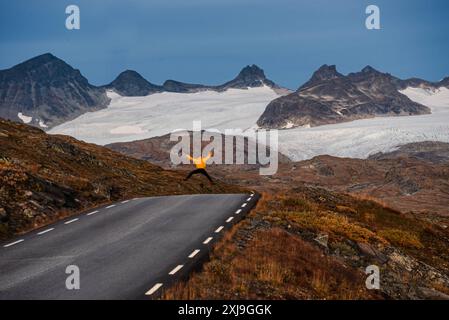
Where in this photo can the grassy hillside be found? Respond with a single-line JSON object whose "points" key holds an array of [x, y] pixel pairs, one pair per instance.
{"points": [[310, 243], [44, 177]]}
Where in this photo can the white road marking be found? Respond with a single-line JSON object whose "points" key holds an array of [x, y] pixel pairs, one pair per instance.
{"points": [[244, 205], [207, 240], [125, 201], [248, 199], [91, 213], [238, 211], [219, 229], [45, 231], [136, 199], [194, 253], [229, 219], [111, 206], [153, 289], [176, 269], [12, 243], [70, 221]]}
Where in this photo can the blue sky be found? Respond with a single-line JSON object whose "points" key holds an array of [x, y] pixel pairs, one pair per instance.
{"points": [[209, 41]]}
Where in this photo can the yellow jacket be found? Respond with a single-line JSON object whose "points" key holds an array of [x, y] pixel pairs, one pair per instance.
{"points": [[200, 162]]}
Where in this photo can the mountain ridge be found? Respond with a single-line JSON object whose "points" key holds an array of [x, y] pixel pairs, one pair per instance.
{"points": [[48, 91], [45, 91], [331, 97], [250, 76]]}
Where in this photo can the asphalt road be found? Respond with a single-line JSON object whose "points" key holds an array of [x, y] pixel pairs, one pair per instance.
{"points": [[128, 250]]}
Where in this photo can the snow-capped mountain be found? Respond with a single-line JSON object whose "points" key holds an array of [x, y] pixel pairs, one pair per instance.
{"points": [[45, 91], [330, 97], [365, 137]]}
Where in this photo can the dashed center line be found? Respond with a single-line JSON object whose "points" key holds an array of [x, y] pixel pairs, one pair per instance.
{"points": [[207, 240], [125, 201], [70, 221], [229, 219], [219, 229], [248, 199], [45, 231], [153, 289], [111, 206], [91, 213], [12, 243], [176, 269], [238, 211], [244, 205], [194, 253]]}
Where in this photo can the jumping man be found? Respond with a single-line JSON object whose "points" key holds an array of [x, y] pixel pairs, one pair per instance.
{"points": [[200, 164]]}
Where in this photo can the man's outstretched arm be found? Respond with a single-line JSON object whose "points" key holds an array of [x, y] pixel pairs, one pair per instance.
{"points": [[209, 155]]}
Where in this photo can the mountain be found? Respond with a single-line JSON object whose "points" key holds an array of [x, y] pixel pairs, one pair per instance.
{"points": [[330, 97], [249, 77], [324, 73], [45, 91], [183, 87], [45, 177], [130, 83]]}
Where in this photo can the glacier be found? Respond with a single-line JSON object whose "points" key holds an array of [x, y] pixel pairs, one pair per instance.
{"points": [[362, 138], [135, 118]]}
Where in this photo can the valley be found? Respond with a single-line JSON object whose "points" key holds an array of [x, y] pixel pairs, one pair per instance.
{"points": [[362, 175]]}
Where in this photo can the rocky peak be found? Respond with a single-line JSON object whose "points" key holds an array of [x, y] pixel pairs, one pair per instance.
{"points": [[324, 73], [131, 83], [369, 69], [129, 75], [45, 68], [38, 61], [249, 76], [48, 91], [369, 74], [252, 72], [330, 97]]}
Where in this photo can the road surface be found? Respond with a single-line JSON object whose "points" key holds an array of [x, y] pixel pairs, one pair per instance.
{"points": [[127, 250]]}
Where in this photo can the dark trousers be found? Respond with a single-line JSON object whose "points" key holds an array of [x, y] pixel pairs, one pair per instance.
{"points": [[199, 171]]}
